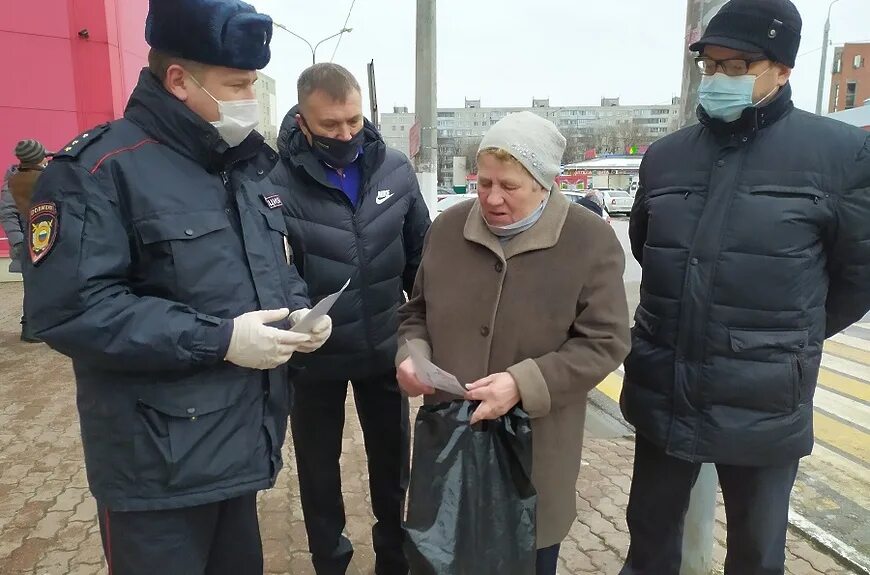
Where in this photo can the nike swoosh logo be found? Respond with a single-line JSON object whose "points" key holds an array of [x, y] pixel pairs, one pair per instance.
{"points": [[383, 198]]}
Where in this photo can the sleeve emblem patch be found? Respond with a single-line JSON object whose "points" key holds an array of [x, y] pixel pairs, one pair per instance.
{"points": [[43, 230]]}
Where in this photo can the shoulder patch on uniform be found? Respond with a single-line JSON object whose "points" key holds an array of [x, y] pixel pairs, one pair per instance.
{"points": [[43, 228], [82, 141]]}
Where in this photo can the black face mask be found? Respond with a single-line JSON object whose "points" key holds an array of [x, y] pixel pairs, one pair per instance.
{"points": [[334, 152]]}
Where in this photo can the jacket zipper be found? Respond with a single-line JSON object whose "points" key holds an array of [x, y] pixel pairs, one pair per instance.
{"points": [[798, 387], [363, 264]]}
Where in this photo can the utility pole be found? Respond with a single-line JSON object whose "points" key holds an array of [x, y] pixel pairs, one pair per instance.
{"points": [[701, 516], [822, 69], [426, 102], [373, 96]]}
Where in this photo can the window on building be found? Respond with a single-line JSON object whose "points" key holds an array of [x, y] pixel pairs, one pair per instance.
{"points": [[858, 62], [835, 98], [403, 127], [851, 91], [394, 127], [838, 62]]}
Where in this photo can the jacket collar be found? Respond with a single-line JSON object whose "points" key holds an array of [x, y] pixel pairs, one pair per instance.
{"points": [[543, 235], [753, 119], [296, 151], [170, 122]]}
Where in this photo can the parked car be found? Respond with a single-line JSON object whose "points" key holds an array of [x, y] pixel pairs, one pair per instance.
{"points": [[446, 201], [616, 202], [593, 205]]}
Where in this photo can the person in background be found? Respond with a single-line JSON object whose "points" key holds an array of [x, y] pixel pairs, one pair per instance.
{"points": [[354, 210], [17, 189], [752, 231], [493, 304], [159, 264]]}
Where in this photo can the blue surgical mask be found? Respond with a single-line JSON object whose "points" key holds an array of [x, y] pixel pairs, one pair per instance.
{"points": [[519, 227], [726, 97]]}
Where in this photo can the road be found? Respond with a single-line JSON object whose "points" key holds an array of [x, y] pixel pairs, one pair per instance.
{"points": [[832, 490]]}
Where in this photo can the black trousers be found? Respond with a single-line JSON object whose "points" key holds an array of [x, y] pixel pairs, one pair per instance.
{"points": [[547, 560], [215, 539], [756, 509], [317, 423]]}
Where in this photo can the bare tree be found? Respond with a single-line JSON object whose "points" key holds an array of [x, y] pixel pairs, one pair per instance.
{"points": [[576, 146], [632, 134], [469, 148]]}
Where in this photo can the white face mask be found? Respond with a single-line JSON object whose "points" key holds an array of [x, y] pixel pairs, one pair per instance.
{"points": [[238, 118]]}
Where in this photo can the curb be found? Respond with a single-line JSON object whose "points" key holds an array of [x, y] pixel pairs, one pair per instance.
{"points": [[840, 551]]}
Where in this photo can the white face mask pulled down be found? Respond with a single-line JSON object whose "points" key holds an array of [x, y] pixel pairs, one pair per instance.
{"points": [[238, 118]]}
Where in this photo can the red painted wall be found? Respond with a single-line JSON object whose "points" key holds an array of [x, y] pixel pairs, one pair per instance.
{"points": [[57, 84]]}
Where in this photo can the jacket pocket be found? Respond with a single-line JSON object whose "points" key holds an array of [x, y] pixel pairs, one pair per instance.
{"points": [[797, 192], [190, 438], [646, 323], [684, 191], [278, 234], [772, 351], [752, 341], [185, 226], [189, 256], [797, 396]]}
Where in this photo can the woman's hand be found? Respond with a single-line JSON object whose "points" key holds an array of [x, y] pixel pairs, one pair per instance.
{"points": [[498, 393], [409, 382]]}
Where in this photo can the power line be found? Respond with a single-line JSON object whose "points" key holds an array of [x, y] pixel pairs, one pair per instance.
{"points": [[343, 28], [814, 50]]}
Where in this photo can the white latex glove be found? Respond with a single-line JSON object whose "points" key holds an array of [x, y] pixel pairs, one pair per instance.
{"points": [[320, 332], [258, 346]]}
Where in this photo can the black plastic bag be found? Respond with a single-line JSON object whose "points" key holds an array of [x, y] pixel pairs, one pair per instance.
{"points": [[471, 503]]}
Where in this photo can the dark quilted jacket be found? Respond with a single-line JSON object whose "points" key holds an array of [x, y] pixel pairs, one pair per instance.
{"points": [[754, 239], [377, 244]]}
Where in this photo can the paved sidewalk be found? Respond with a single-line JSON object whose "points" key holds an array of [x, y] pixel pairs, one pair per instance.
{"points": [[48, 519]]}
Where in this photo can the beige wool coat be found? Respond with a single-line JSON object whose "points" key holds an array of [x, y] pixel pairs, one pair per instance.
{"points": [[548, 307]]}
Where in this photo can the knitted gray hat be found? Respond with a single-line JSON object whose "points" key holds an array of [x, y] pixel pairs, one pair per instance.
{"points": [[30, 152], [535, 142]]}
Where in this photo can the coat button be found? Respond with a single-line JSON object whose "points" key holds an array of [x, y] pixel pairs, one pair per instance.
{"points": [[191, 410], [188, 232], [484, 331], [499, 267], [260, 172], [720, 163], [694, 261]]}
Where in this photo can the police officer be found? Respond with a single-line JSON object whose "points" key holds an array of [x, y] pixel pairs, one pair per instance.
{"points": [[158, 256]]}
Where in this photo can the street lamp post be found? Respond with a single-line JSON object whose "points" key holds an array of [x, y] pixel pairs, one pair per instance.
{"points": [[315, 46], [822, 70]]}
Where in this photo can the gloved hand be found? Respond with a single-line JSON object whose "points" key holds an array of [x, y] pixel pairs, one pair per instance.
{"points": [[16, 257], [16, 251], [320, 332], [258, 346]]}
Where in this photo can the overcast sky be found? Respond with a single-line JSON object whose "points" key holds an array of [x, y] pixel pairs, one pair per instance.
{"points": [[506, 52]]}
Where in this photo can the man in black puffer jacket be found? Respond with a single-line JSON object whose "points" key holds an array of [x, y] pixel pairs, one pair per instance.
{"points": [[353, 210], [752, 230]]}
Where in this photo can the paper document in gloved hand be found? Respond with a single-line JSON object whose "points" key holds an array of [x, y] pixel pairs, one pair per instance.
{"points": [[322, 308], [430, 374]]}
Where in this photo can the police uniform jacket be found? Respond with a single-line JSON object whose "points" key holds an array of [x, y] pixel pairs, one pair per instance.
{"points": [[146, 237]]}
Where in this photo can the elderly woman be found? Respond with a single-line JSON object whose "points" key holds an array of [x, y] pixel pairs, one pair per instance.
{"points": [[521, 293]]}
